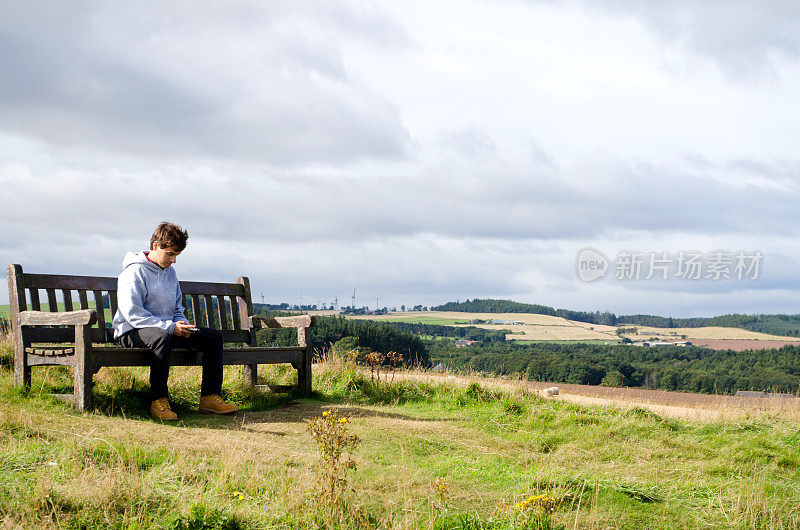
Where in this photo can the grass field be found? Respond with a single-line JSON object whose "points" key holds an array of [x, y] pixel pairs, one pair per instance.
{"points": [[414, 320], [708, 332], [432, 455], [557, 329]]}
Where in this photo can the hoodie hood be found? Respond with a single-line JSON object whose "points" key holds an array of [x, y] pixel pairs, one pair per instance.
{"points": [[140, 257]]}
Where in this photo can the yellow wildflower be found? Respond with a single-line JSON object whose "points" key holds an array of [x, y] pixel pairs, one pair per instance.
{"points": [[326, 413], [343, 420]]}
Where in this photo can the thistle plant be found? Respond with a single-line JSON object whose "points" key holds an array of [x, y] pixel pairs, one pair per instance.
{"points": [[375, 361], [336, 444]]}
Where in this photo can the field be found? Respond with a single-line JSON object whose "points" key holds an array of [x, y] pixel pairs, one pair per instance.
{"points": [[708, 333], [536, 327], [685, 405], [557, 329], [441, 453]]}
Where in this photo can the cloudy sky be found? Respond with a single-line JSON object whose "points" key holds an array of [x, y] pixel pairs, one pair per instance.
{"points": [[420, 152]]}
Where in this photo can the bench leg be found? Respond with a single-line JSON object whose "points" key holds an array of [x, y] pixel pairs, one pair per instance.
{"points": [[250, 372], [83, 368], [22, 372], [304, 373], [304, 367]]}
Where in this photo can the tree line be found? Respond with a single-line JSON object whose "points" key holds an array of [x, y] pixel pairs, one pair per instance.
{"points": [[787, 325], [365, 335], [461, 332], [689, 369]]}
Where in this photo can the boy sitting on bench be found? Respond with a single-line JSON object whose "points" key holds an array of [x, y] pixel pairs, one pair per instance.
{"points": [[150, 315]]}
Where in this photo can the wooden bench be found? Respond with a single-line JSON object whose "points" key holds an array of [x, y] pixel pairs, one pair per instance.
{"points": [[72, 334]]}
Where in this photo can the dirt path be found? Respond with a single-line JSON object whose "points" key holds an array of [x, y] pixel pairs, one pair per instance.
{"points": [[683, 405]]}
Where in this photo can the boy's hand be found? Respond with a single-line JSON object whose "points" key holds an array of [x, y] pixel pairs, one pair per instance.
{"points": [[183, 329]]}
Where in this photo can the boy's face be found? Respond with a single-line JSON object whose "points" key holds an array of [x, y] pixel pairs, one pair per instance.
{"points": [[164, 257]]}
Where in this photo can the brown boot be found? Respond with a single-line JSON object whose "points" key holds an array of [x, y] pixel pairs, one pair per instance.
{"points": [[214, 404], [159, 409]]}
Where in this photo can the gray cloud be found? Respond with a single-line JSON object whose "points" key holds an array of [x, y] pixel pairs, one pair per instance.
{"points": [[136, 86], [581, 202], [745, 38]]}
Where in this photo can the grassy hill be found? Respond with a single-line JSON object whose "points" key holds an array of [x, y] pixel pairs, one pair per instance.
{"points": [[432, 455], [552, 328], [781, 324]]}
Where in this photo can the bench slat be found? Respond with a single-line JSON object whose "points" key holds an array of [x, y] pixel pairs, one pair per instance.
{"points": [[101, 313], [62, 281], [196, 310], [83, 299], [223, 313], [52, 302], [237, 323], [112, 297], [216, 289], [185, 303], [67, 294], [42, 360], [209, 311], [35, 305], [51, 351]]}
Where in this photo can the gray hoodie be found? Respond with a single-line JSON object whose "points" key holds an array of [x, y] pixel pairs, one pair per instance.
{"points": [[147, 296]]}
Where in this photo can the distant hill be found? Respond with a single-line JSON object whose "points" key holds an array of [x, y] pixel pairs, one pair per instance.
{"points": [[786, 325], [490, 305]]}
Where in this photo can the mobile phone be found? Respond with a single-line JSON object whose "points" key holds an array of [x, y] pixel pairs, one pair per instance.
{"points": [[194, 330]]}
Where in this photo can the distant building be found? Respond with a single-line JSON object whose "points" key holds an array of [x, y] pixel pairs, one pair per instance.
{"points": [[750, 393], [682, 343], [499, 322], [460, 343], [758, 393]]}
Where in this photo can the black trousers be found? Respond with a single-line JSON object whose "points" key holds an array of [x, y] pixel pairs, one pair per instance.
{"points": [[207, 340]]}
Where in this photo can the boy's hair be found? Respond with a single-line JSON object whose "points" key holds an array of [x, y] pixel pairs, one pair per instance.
{"points": [[171, 236]]}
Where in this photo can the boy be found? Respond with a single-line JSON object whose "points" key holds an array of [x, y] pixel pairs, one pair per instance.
{"points": [[150, 314]]}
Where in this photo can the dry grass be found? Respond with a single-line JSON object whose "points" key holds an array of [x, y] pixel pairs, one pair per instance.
{"points": [[708, 332], [612, 467], [684, 405]]}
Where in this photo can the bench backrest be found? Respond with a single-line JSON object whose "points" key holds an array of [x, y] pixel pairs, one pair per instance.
{"points": [[224, 306]]}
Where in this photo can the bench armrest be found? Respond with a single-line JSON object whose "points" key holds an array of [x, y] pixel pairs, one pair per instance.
{"points": [[300, 321], [68, 318]]}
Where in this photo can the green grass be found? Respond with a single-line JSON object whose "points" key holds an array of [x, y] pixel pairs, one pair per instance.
{"points": [[607, 467]]}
